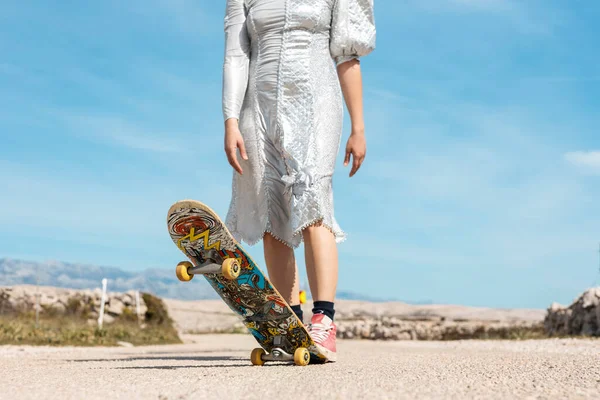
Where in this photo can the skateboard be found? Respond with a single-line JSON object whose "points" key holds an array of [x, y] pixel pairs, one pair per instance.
{"points": [[214, 253]]}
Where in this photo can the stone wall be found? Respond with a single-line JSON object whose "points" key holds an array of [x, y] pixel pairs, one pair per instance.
{"points": [[397, 329], [436, 323], [379, 321], [582, 318], [355, 319], [86, 303]]}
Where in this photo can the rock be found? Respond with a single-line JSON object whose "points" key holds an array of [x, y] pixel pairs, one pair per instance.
{"points": [[591, 298], [413, 334], [125, 344], [580, 318], [114, 307], [64, 298], [365, 332], [59, 307], [403, 336], [46, 300], [128, 300]]}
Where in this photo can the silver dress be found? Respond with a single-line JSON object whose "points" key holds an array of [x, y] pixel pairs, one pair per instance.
{"points": [[280, 81]]}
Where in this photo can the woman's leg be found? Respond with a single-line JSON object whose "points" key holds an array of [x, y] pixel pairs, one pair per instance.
{"points": [[321, 265], [322, 270], [283, 273]]}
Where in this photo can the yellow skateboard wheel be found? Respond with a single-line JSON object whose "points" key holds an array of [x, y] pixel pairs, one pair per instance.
{"points": [[301, 356], [302, 296], [182, 271], [231, 268], [256, 356]]}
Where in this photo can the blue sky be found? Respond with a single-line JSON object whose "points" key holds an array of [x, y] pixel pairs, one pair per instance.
{"points": [[482, 174]]}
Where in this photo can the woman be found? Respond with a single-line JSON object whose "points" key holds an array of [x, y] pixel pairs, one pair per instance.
{"points": [[285, 63]]}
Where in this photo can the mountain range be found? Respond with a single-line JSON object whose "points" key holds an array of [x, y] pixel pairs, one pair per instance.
{"points": [[161, 282]]}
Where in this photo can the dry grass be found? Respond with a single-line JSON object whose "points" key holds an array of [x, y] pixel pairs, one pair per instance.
{"points": [[73, 328], [64, 331]]}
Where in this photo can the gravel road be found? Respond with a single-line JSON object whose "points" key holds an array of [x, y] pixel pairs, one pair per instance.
{"points": [[217, 367]]}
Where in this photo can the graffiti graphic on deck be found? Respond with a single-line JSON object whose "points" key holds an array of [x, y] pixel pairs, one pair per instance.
{"points": [[200, 234]]}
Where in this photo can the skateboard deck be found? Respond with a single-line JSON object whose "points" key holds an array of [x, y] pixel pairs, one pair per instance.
{"points": [[213, 252]]}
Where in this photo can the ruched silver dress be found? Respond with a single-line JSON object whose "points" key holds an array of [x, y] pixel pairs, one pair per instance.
{"points": [[280, 81]]}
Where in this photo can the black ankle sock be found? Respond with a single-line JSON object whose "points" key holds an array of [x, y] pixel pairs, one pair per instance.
{"points": [[324, 307], [297, 309]]}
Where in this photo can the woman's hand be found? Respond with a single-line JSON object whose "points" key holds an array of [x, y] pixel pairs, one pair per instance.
{"points": [[234, 141], [351, 81], [357, 147]]}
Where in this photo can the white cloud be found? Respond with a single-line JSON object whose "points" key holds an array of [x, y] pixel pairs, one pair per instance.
{"points": [[589, 161]]}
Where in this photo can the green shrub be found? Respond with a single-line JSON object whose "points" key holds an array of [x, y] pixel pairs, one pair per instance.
{"points": [[73, 306], [128, 315], [156, 312]]}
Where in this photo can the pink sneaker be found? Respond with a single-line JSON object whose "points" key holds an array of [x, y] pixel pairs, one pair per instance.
{"points": [[323, 331]]}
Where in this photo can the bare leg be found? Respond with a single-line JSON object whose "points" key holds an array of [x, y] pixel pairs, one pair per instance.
{"points": [[281, 266], [320, 251]]}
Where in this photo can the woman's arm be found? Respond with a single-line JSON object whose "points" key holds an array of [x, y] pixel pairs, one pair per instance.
{"points": [[351, 83], [352, 36], [237, 59], [235, 79]]}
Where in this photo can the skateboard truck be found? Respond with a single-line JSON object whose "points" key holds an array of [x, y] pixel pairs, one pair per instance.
{"points": [[300, 357], [215, 264], [278, 354]]}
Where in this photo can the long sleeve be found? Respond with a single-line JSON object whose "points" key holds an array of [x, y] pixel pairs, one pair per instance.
{"points": [[237, 58], [353, 31]]}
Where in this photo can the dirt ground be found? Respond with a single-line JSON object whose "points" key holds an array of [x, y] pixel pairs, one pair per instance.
{"points": [[218, 367]]}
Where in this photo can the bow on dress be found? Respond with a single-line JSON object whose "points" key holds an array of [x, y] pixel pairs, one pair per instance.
{"points": [[298, 182]]}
